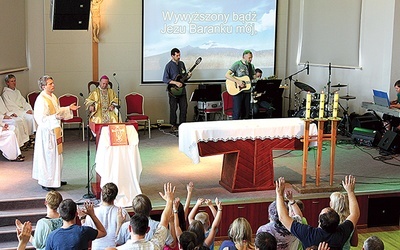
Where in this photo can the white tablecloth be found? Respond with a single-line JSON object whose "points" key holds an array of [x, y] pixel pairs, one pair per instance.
{"points": [[120, 164], [192, 133]]}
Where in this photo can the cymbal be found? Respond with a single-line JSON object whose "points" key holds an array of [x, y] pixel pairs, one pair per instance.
{"points": [[304, 87], [339, 85], [347, 97]]}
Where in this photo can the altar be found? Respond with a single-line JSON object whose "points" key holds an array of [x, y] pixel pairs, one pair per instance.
{"points": [[121, 165], [247, 147]]}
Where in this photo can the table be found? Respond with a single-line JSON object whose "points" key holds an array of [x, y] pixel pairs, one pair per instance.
{"points": [[247, 147], [121, 165]]}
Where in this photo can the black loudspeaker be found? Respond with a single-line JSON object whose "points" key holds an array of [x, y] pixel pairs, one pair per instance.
{"points": [[368, 121], [365, 137], [390, 142], [70, 14]]}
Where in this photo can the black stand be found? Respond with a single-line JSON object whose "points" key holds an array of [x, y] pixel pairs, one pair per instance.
{"points": [[88, 195], [119, 106], [290, 112]]}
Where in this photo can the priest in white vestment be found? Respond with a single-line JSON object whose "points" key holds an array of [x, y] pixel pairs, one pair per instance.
{"points": [[17, 104], [8, 143], [47, 157], [10, 118]]}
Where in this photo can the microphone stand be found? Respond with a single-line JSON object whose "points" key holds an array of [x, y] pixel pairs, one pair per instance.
{"points": [[290, 77], [88, 195], [119, 106]]}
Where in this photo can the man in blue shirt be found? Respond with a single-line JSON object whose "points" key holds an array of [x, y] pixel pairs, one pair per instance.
{"points": [[175, 75], [70, 235], [329, 229]]}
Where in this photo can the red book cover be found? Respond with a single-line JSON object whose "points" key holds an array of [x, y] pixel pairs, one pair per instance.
{"points": [[118, 135]]}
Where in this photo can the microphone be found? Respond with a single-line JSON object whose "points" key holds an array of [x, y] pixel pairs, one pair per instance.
{"points": [[308, 67], [81, 94], [114, 74], [330, 68]]}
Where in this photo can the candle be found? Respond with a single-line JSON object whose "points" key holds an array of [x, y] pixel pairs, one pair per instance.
{"points": [[335, 104], [321, 105], [308, 105]]}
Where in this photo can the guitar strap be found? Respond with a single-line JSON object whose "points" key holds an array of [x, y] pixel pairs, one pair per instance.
{"points": [[57, 131]]}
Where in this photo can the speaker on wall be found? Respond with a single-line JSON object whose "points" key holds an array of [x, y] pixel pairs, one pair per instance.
{"points": [[70, 14], [390, 142]]}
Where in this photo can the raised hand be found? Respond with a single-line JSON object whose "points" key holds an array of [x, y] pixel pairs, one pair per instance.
{"points": [[190, 187], [280, 186], [349, 183]]}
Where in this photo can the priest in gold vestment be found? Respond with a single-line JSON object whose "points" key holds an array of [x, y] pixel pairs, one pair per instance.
{"points": [[102, 103]]}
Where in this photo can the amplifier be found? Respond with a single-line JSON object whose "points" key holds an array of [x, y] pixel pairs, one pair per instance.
{"points": [[209, 105], [365, 137]]}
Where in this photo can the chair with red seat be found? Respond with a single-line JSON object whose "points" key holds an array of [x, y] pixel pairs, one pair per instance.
{"points": [[227, 105], [135, 110], [31, 98], [66, 100]]}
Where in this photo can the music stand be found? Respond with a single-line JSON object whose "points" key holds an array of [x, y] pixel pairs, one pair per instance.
{"points": [[205, 93]]}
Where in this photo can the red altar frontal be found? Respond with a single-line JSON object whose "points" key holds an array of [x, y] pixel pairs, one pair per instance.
{"points": [[247, 147]]}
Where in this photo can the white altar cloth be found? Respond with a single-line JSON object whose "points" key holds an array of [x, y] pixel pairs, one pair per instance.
{"points": [[120, 164], [193, 132]]}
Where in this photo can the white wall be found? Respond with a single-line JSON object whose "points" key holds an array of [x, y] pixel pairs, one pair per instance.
{"points": [[66, 55]]}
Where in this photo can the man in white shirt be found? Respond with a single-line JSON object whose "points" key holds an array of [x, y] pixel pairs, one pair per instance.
{"points": [[8, 143], [139, 226], [17, 104]]}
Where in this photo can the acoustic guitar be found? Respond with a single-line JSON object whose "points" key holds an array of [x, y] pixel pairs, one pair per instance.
{"points": [[177, 91], [233, 88]]}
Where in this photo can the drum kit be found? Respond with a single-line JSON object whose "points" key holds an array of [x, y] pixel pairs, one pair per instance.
{"points": [[300, 104]]}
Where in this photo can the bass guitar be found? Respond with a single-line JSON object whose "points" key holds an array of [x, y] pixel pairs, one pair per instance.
{"points": [[177, 91], [233, 88]]}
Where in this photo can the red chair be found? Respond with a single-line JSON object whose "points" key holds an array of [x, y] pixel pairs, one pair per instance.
{"points": [[31, 98], [135, 110], [227, 105], [66, 100]]}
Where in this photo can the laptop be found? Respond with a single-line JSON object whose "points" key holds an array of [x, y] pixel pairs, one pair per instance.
{"points": [[381, 98]]}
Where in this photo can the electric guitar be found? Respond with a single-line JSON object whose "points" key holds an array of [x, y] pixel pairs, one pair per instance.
{"points": [[233, 88], [177, 91]]}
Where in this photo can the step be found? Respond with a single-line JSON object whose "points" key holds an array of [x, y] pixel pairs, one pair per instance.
{"points": [[8, 233], [13, 204], [12, 245], [7, 218]]}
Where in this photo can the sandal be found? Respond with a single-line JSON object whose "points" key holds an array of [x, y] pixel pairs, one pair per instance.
{"points": [[20, 158]]}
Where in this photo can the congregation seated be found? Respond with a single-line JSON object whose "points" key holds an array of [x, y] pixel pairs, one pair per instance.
{"points": [[71, 235], [139, 225], [329, 229], [45, 225], [141, 204], [239, 234], [108, 214]]}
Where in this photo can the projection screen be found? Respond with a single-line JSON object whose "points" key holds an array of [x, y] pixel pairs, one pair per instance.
{"points": [[218, 31]]}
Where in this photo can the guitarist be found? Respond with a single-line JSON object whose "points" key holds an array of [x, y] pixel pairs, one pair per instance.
{"points": [[241, 101], [175, 70]]}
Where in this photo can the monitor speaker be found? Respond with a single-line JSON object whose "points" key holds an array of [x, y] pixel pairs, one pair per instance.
{"points": [[368, 121], [390, 142], [70, 14], [365, 137]]}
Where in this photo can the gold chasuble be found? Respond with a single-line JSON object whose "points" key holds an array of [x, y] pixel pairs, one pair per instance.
{"points": [[57, 131]]}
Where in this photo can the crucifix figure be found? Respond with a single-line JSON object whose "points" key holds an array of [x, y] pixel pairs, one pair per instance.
{"points": [[95, 10]]}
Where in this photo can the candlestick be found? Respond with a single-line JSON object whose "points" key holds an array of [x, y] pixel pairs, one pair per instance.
{"points": [[321, 105], [308, 105], [335, 104]]}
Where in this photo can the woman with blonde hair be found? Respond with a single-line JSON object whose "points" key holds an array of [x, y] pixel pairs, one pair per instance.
{"points": [[340, 203], [240, 233]]}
